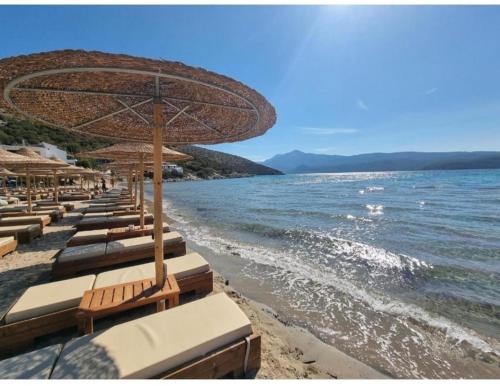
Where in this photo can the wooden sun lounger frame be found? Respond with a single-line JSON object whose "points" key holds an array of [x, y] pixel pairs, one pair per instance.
{"points": [[96, 264], [8, 247], [42, 222], [55, 214], [20, 335], [224, 361], [146, 232], [25, 236]]}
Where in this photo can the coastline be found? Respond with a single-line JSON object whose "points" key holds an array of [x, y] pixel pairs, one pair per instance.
{"points": [[288, 351]]}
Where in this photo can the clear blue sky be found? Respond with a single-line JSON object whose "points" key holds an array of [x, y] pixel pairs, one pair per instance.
{"points": [[344, 79]]}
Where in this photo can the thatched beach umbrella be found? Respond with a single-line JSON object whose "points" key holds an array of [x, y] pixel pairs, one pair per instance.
{"points": [[5, 173], [27, 163], [54, 165], [138, 99], [139, 152]]}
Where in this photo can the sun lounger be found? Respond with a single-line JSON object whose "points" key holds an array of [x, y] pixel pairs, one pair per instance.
{"points": [[7, 245], [102, 235], [207, 338], [88, 224], [55, 214], [22, 233], [95, 257], [47, 308], [10, 209], [32, 365], [42, 220]]}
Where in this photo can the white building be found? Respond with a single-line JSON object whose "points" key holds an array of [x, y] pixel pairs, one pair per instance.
{"points": [[172, 167], [45, 149]]}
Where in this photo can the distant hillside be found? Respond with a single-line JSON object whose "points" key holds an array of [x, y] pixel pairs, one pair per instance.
{"points": [[206, 163], [215, 164], [299, 162], [13, 131]]}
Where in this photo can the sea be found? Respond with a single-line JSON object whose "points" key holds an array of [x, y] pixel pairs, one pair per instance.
{"points": [[400, 270]]}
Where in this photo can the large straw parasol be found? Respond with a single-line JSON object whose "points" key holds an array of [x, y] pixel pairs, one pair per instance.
{"points": [[54, 165], [138, 99], [140, 152], [28, 161], [5, 173]]}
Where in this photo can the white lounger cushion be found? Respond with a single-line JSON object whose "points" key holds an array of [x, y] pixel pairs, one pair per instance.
{"points": [[82, 252], [32, 365], [181, 267], [141, 242], [6, 240], [14, 219], [51, 297], [148, 346], [98, 234]]}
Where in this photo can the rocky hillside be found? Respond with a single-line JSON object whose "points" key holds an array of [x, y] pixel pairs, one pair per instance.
{"points": [[215, 164], [206, 164]]}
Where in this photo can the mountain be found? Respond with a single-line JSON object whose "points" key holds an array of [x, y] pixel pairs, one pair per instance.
{"points": [[215, 164], [13, 131], [299, 162]]}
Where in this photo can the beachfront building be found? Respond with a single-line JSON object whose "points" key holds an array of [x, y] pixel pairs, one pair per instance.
{"points": [[168, 167], [45, 149]]}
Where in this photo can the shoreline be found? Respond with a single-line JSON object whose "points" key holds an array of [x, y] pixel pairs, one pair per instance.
{"points": [[288, 351]]}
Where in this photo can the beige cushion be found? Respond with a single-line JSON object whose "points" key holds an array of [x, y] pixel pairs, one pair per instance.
{"points": [[82, 252], [32, 365], [132, 216], [184, 266], [16, 228], [141, 242], [44, 299], [94, 215], [98, 235], [6, 240], [148, 346], [24, 218]]}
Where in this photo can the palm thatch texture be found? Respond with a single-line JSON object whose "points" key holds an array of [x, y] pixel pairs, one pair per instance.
{"points": [[27, 160], [131, 98], [5, 173]]}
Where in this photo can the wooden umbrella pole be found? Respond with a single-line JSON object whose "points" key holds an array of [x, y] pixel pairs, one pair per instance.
{"points": [[157, 184], [28, 188], [56, 188], [135, 188], [141, 176]]}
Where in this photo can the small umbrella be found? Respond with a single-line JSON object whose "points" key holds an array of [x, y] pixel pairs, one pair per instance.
{"points": [[27, 163], [140, 152], [5, 173]]}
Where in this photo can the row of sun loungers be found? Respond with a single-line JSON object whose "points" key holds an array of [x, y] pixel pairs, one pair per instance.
{"points": [[188, 341], [107, 234], [205, 338]]}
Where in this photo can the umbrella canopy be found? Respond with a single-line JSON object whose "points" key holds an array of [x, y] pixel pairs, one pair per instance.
{"points": [[113, 96], [138, 99], [41, 162], [27, 161], [134, 150], [6, 172]]}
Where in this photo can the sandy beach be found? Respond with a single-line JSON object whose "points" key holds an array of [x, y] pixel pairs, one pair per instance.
{"points": [[288, 352]]}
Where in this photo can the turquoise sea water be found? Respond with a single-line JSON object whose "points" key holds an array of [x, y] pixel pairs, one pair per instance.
{"points": [[399, 269]]}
